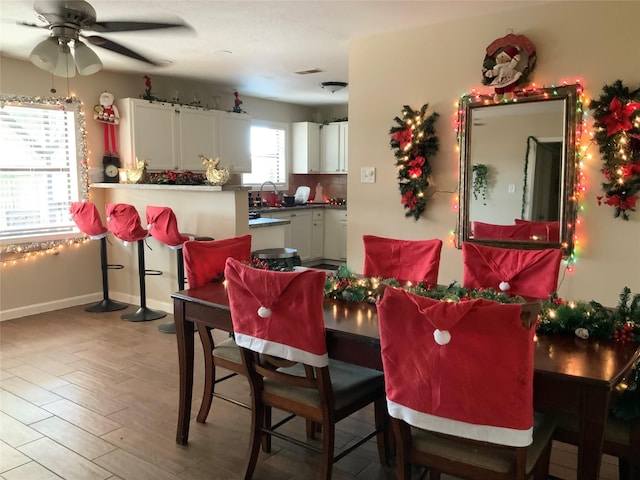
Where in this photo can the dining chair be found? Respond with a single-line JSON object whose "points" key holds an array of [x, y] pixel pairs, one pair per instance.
{"points": [[528, 273], [278, 322], [550, 231], [404, 260], [87, 219], [459, 387], [485, 231], [204, 263]]}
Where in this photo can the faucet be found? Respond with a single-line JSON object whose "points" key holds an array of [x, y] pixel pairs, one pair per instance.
{"points": [[274, 188]]}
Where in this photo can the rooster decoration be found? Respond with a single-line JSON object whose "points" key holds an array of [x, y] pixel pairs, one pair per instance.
{"points": [[138, 174], [215, 176]]}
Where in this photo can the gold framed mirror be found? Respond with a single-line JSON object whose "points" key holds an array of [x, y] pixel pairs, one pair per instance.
{"points": [[518, 169]]}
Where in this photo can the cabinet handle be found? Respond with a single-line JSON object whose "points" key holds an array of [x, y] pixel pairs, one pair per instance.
{"points": [[293, 214]]}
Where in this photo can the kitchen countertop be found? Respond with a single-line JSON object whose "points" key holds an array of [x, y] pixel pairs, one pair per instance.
{"points": [[267, 222], [297, 207]]}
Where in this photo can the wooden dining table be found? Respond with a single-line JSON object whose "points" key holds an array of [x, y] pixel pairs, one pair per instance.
{"points": [[571, 374]]}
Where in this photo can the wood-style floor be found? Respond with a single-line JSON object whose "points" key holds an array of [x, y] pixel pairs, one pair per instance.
{"points": [[87, 396]]}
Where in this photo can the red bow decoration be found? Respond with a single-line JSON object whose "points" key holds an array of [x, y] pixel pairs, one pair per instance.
{"points": [[621, 202], [410, 200], [404, 137], [620, 116], [416, 166]]}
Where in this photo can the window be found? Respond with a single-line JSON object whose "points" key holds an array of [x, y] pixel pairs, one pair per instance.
{"points": [[268, 155], [42, 169]]}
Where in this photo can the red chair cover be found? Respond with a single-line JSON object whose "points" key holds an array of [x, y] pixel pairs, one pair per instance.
{"points": [[124, 222], [464, 368], [163, 226], [204, 260], [529, 273], [88, 220], [278, 313], [548, 230], [503, 232], [405, 260]]}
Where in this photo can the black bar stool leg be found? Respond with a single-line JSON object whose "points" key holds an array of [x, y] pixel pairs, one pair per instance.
{"points": [[106, 305], [143, 314]]}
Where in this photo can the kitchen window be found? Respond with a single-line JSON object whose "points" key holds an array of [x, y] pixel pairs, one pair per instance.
{"points": [[42, 170], [268, 155]]}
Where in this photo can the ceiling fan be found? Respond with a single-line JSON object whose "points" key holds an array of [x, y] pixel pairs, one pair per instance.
{"points": [[67, 20]]}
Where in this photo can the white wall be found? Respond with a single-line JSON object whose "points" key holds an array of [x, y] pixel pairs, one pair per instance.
{"points": [[595, 41]]}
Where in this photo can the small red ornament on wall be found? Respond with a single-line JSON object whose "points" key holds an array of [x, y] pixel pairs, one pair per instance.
{"points": [[507, 64]]}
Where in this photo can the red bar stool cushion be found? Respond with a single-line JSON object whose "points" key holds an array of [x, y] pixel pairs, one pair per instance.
{"points": [[163, 226], [87, 218], [123, 221]]}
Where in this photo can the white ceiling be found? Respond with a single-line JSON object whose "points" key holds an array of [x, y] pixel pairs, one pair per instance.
{"points": [[268, 40]]}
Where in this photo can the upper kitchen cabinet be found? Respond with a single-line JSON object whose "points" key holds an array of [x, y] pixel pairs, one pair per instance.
{"points": [[234, 141], [170, 137], [306, 147], [334, 142]]}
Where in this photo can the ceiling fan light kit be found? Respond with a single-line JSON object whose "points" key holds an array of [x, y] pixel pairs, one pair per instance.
{"points": [[333, 87], [66, 19]]}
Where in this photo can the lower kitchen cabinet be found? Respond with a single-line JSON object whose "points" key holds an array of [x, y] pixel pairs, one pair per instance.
{"points": [[335, 234], [317, 234], [299, 233]]}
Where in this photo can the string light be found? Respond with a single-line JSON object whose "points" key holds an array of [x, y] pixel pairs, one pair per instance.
{"points": [[581, 150], [10, 255]]}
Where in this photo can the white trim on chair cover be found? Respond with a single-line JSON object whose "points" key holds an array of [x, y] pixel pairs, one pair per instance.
{"points": [[483, 433], [283, 351]]}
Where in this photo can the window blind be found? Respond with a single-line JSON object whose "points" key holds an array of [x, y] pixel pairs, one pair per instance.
{"points": [[38, 170], [268, 156]]}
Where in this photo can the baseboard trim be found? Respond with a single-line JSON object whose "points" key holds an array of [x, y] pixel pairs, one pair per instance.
{"points": [[133, 300]]}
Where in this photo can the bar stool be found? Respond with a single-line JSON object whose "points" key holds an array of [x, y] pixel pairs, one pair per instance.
{"points": [[124, 222], [163, 226], [88, 221]]}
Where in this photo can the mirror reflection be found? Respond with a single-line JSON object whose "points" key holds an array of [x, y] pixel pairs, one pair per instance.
{"points": [[517, 169]]}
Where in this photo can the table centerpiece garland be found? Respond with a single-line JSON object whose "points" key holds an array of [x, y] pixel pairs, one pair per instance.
{"points": [[617, 132], [414, 141]]}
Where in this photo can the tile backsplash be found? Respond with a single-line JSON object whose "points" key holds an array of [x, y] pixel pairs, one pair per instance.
{"points": [[333, 185]]}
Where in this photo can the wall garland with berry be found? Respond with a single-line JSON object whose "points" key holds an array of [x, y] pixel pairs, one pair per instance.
{"points": [[414, 142], [617, 132]]}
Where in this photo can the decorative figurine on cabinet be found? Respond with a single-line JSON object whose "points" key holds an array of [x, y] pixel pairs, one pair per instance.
{"points": [[215, 176], [507, 64]]}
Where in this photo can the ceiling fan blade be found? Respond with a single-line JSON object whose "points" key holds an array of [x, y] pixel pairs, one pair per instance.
{"points": [[116, 26], [117, 48], [27, 24]]}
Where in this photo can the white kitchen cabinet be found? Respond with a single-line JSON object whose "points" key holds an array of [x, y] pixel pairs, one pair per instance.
{"points": [[335, 234], [298, 235], [306, 147], [169, 136], [234, 141], [197, 129], [334, 143], [172, 137], [317, 234]]}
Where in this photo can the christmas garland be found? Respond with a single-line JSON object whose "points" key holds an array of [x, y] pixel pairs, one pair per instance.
{"points": [[414, 141], [558, 317], [617, 133]]}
